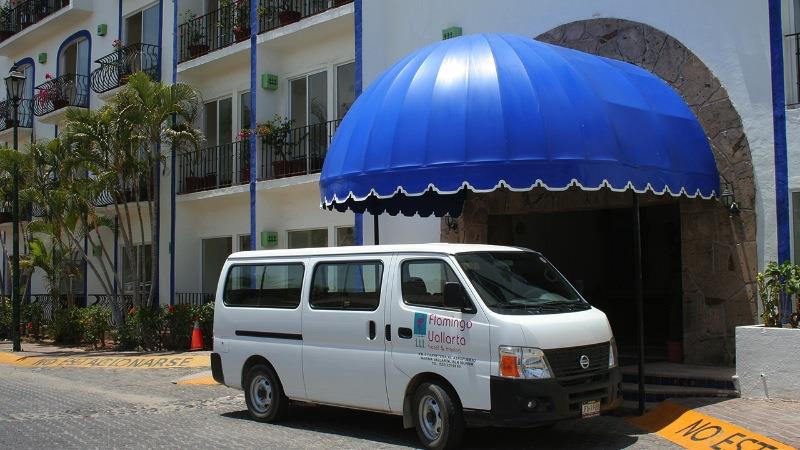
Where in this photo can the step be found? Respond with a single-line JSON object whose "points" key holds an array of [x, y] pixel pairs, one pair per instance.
{"points": [[659, 393], [683, 375]]}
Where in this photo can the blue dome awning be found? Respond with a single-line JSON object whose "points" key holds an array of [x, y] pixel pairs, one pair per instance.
{"points": [[486, 111]]}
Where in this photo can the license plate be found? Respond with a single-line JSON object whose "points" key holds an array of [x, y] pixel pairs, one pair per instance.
{"points": [[590, 409]]}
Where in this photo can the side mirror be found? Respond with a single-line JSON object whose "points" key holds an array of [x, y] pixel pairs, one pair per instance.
{"points": [[455, 297]]}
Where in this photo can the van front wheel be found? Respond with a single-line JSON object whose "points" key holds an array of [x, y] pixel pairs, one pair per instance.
{"points": [[264, 395], [437, 417]]}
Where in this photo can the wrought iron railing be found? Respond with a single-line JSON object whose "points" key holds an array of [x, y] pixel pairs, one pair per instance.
{"points": [[192, 298], [116, 67], [217, 29], [277, 13], [24, 114], [213, 167], [107, 198], [793, 46], [7, 216], [60, 92], [25, 14], [302, 152], [124, 304]]}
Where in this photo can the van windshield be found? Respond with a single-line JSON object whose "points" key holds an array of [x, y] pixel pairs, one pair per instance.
{"points": [[520, 283]]}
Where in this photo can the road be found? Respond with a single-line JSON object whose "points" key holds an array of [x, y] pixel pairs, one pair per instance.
{"points": [[102, 408]]}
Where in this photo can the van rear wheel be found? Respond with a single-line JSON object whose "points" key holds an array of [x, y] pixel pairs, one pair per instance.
{"points": [[264, 395], [438, 418]]}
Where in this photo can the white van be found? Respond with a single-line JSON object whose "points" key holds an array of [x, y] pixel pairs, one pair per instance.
{"points": [[446, 335]]}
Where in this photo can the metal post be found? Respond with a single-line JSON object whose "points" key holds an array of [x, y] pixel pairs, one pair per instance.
{"points": [[15, 300], [637, 254], [375, 229]]}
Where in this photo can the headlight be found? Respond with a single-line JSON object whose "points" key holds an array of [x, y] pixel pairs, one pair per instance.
{"points": [[523, 362], [612, 353]]}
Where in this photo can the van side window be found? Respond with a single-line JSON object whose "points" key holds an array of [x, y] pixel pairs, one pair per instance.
{"points": [[347, 285], [264, 285], [422, 282]]}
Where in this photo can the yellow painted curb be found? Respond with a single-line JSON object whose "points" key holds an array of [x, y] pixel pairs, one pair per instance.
{"points": [[109, 362], [201, 380], [693, 430]]}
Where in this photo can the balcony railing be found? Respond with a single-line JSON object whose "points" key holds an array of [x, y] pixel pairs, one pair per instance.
{"points": [[27, 13], [193, 298], [218, 29], [60, 92], [302, 153], [277, 13], [793, 47], [116, 67], [213, 167], [24, 114]]}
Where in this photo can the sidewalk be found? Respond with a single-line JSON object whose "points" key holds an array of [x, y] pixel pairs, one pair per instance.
{"points": [[51, 356]]}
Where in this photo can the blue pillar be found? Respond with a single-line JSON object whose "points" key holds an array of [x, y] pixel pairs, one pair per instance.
{"points": [[252, 125], [358, 84]]}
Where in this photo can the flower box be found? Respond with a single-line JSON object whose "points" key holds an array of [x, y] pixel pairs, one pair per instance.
{"points": [[196, 50], [766, 362], [241, 34], [287, 17]]}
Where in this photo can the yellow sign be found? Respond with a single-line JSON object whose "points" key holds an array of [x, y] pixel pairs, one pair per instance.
{"points": [[693, 430], [109, 362]]}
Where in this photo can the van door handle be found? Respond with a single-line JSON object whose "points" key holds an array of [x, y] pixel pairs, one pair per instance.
{"points": [[372, 331], [404, 333], [388, 332]]}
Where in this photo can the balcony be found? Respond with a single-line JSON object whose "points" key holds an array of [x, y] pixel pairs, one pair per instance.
{"points": [[24, 114], [20, 26], [107, 198], [213, 167], [218, 29], [792, 48], [116, 67], [274, 14], [26, 14], [302, 153], [59, 93]]}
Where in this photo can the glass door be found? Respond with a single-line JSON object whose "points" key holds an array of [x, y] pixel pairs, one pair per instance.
{"points": [[142, 28], [218, 128], [215, 252], [308, 106]]}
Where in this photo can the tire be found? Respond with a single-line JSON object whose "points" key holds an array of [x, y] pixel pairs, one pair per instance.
{"points": [[264, 395], [438, 417]]}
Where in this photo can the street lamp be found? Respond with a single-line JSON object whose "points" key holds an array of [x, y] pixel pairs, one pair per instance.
{"points": [[15, 83]]}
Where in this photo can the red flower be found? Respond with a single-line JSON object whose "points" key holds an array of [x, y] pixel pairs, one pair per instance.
{"points": [[170, 309], [30, 325], [132, 311]]}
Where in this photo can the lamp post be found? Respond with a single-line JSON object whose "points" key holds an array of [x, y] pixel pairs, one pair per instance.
{"points": [[15, 83]]}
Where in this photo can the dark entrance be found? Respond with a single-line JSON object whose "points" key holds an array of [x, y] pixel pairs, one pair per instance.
{"points": [[594, 250]]}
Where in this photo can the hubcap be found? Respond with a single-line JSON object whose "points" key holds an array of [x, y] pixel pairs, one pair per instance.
{"points": [[261, 393], [430, 418]]}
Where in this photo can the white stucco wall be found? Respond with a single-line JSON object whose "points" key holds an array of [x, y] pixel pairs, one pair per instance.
{"points": [[730, 36], [765, 366]]}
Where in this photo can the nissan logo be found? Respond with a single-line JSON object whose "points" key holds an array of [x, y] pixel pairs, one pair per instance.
{"points": [[584, 360]]}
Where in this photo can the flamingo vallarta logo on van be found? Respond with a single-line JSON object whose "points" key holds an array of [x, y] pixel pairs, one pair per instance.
{"points": [[440, 332]]}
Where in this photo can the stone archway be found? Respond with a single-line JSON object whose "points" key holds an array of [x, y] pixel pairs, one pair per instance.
{"points": [[718, 252]]}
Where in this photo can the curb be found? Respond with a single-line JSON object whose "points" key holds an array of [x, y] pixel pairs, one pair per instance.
{"points": [[173, 361]]}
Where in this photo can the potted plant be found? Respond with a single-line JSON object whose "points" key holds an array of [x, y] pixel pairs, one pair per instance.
{"points": [[6, 11], [241, 21], [287, 12], [196, 38], [54, 92], [275, 133]]}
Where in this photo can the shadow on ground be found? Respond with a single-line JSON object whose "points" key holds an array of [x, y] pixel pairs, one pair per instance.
{"points": [[600, 432]]}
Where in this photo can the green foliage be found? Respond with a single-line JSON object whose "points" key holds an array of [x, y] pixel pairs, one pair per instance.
{"points": [[68, 326], [34, 315], [5, 317], [142, 330], [178, 321], [776, 280], [95, 321]]}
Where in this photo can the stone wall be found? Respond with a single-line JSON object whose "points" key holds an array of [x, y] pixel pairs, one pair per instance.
{"points": [[718, 250]]}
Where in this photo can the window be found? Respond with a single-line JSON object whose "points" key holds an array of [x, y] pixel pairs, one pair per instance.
{"points": [[75, 58], [244, 110], [142, 27], [345, 88], [308, 238], [345, 236], [244, 242], [144, 262], [347, 285], [423, 282], [308, 99], [264, 286]]}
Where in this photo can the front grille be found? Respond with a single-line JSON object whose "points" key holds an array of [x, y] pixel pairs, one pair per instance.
{"points": [[565, 362]]}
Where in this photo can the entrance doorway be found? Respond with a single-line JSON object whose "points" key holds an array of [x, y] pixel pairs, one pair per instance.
{"points": [[595, 251], [215, 252]]}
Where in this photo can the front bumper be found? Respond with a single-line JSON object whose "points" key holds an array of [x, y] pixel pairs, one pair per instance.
{"points": [[216, 368], [539, 402]]}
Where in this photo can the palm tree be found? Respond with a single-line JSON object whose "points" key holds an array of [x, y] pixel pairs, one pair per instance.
{"points": [[121, 147]]}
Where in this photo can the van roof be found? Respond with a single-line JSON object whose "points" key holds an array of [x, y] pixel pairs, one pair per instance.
{"points": [[440, 248]]}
